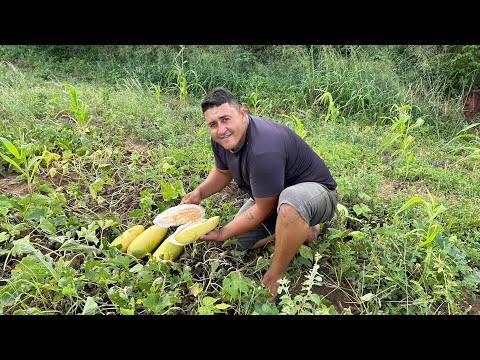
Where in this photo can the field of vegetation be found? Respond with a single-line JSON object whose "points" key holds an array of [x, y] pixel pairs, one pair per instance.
{"points": [[97, 139]]}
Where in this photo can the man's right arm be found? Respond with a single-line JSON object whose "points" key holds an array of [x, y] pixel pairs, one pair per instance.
{"points": [[216, 181]]}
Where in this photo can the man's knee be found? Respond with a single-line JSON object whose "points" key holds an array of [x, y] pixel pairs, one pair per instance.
{"points": [[288, 212]]}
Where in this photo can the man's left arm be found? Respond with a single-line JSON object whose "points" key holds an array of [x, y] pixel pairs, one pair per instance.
{"points": [[247, 221]]}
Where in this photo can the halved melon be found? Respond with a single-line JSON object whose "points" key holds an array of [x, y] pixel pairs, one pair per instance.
{"points": [[179, 215], [190, 232]]}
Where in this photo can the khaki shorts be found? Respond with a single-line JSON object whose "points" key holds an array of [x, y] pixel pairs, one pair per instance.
{"points": [[314, 202]]}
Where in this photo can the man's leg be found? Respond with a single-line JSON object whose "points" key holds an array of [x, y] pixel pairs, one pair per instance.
{"points": [[291, 232], [301, 208]]}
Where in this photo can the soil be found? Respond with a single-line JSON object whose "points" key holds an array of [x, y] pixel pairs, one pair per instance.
{"points": [[10, 186], [389, 187]]}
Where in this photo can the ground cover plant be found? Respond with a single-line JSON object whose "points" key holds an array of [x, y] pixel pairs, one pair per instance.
{"points": [[92, 144]]}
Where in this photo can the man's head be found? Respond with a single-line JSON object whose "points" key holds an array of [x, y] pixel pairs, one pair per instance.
{"points": [[225, 117]]}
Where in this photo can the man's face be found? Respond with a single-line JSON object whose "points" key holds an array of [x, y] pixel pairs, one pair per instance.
{"points": [[227, 125]]}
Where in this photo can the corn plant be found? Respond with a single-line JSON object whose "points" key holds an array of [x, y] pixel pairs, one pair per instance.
{"points": [[257, 105], [433, 210], [24, 162], [298, 125], [473, 147], [157, 89], [332, 111], [399, 133], [78, 109], [178, 75]]}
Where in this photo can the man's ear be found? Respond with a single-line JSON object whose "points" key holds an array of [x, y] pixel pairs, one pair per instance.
{"points": [[243, 112]]}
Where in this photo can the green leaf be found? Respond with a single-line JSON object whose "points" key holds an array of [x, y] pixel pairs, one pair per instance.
{"points": [[127, 311], [47, 226], [76, 247], [234, 284], [121, 260], [361, 209], [409, 203], [89, 234], [4, 236], [36, 214], [10, 147], [135, 213], [12, 162], [91, 307], [45, 188], [208, 301], [474, 276], [23, 246], [104, 224], [315, 298], [306, 252], [69, 290], [168, 191], [222, 306]]}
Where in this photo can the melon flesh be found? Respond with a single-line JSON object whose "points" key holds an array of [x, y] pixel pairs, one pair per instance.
{"points": [[179, 215], [190, 232]]}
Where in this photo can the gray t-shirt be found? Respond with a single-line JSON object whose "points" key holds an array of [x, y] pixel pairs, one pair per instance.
{"points": [[272, 158]]}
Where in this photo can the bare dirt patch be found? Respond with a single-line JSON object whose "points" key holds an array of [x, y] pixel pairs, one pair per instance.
{"points": [[338, 297], [389, 187], [133, 145], [10, 186]]}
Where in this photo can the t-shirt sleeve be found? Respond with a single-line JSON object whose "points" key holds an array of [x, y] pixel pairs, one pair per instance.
{"points": [[267, 174]]}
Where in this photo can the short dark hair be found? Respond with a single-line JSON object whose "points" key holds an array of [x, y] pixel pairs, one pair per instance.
{"points": [[218, 96]]}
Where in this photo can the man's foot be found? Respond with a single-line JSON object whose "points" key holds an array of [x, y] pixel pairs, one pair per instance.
{"points": [[313, 233]]}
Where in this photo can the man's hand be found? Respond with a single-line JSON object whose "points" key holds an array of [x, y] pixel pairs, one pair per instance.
{"points": [[215, 236], [271, 283], [193, 197]]}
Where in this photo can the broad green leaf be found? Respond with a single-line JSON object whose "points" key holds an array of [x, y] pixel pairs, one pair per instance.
{"points": [[69, 290], [104, 224], [4, 236], [121, 260], [47, 226], [91, 307], [135, 213], [306, 252], [208, 301], [235, 284], [474, 276], [22, 246]]}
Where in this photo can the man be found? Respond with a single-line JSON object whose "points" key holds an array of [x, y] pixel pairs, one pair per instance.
{"points": [[291, 189]]}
